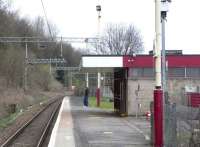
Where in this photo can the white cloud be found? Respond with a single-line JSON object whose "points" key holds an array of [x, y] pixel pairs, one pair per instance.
{"points": [[79, 18]]}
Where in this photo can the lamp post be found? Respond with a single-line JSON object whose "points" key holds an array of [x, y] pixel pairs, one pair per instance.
{"points": [[98, 9], [164, 10], [161, 7], [158, 92]]}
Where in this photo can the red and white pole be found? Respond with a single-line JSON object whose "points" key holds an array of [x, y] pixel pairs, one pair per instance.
{"points": [[158, 93], [98, 8], [98, 89]]}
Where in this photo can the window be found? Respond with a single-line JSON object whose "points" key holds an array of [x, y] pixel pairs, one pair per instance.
{"points": [[148, 72], [193, 72], [141, 72], [176, 72], [172, 72]]}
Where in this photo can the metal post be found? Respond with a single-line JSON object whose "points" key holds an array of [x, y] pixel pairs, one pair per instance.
{"points": [[86, 44], [164, 82], [50, 67], [26, 68], [98, 8], [158, 93], [152, 122], [65, 79], [87, 80], [61, 47], [25, 76], [185, 72], [70, 80], [99, 20], [26, 51], [104, 81], [98, 89]]}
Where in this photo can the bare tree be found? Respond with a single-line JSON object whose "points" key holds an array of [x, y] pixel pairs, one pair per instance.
{"points": [[38, 26], [120, 39]]}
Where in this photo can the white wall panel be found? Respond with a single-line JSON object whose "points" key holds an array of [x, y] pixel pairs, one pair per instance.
{"points": [[100, 61]]}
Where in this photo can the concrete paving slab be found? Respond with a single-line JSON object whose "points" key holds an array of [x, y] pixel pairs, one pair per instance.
{"points": [[103, 128], [63, 133]]}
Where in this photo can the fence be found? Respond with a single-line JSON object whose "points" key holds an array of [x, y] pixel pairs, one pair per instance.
{"points": [[181, 125]]}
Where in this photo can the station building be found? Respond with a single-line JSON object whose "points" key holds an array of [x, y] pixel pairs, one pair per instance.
{"points": [[134, 78]]}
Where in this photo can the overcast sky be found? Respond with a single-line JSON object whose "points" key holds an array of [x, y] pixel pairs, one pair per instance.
{"points": [[78, 18]]}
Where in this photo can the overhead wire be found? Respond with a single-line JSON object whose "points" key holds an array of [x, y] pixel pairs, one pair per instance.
{"points": [[45, 14]]}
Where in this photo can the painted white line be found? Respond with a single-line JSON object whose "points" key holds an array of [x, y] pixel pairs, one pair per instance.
{"points": [[55, 129], [68, 138], [107, 132], [62, 134], [137, 129], [147, 137]]}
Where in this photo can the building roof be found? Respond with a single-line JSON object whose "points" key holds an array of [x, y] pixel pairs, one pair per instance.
{"points": [[137, 61]]}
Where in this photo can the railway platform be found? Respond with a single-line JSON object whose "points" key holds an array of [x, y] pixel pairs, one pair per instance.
{"points": [[77, 126]]}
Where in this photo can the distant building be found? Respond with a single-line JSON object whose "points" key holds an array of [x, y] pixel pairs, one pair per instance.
{"points": [[134, 78]]}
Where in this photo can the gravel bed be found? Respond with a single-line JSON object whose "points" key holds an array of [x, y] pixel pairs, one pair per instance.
{"points": [[32, 133], [28, 114], [21, 119], [47, 139]]}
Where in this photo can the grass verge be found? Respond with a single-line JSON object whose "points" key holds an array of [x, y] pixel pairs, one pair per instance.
{"points": [[8, 120], [104, 104]]}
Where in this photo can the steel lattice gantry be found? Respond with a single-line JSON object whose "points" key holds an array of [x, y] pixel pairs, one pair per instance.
{"points": [[43, 39], [67, 68], [45, 61]]}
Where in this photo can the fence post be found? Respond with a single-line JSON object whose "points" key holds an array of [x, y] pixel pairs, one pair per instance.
{"points": [[170, 125], [174, 125]]}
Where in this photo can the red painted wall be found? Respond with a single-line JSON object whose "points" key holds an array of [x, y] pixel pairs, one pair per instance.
{"points": [[173, 61], [193, 99]]}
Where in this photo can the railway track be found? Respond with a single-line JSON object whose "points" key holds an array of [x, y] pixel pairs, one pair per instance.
{"points": [[34, 132]]}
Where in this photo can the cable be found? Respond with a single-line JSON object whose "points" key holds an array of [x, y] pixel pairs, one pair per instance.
{"points": [[45, 14]]}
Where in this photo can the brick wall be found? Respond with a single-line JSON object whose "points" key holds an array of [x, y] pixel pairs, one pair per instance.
{"points": [[140, 91]]}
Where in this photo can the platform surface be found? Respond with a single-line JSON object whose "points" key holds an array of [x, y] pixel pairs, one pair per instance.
{"points": [[77, 126]]}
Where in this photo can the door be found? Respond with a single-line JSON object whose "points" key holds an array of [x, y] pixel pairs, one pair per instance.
{"points": [[120, 91]]}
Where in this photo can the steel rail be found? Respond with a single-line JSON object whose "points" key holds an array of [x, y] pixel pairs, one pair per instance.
{"points": [[20, 130], [44, 134]]}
